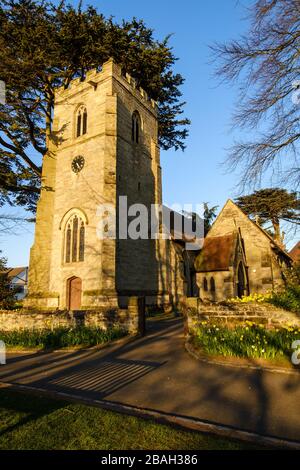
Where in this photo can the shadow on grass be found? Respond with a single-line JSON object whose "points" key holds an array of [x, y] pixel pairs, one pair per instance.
{"points": [[14, 401]]}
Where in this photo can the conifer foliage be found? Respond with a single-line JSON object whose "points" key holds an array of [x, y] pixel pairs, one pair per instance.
{"points": [[7, 293], [45, 45], [272, 205]]}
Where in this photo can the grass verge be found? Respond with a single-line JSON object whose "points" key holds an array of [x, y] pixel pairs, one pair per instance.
{"points": [[60, 337], [34, 422]]}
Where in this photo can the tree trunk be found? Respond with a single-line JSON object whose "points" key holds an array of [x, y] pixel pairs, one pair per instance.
{"points": [[276, 226]]}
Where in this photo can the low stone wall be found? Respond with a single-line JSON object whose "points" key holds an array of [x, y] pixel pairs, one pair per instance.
{"points": [[130, 319], [196, 311]]}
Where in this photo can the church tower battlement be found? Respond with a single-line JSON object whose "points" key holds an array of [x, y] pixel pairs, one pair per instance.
{"points": [[103, 145], [94, 77]]}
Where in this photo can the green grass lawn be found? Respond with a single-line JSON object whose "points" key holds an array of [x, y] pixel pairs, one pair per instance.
{"points": [[36, 422]]}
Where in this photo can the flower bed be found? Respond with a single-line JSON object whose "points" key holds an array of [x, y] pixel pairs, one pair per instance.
{"points": [[246, 340], [287, 298]]}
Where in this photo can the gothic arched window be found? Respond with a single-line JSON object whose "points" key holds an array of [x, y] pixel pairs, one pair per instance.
{"points": [[212, 285], [74, 239], [135, 127], [205, 287], [81, 121]]}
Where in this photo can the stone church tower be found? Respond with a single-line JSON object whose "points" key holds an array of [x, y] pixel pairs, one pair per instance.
{"points": [[104, 144]]}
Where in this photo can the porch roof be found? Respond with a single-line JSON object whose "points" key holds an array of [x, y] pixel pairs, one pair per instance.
{"points": [[217, 253]]}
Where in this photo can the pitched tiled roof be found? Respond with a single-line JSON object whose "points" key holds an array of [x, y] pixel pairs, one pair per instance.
{"points": [[14, 272], [217, 253], [295, 253]]}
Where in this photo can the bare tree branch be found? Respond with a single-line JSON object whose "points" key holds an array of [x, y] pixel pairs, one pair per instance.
{"points": [[266, 63]]}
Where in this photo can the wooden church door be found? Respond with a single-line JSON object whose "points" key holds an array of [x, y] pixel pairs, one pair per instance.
{"points": [[74, 289]]}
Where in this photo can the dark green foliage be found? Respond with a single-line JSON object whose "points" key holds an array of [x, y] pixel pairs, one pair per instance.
{"points": [[60, 337], [45, 45], [289, 297], [209, 216], [7, 294], [248, 340], [272, 205]]}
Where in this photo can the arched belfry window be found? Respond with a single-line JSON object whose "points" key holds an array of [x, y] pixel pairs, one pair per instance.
{"points": [[135, 127], [205, 287], [81, 121], [74, 239], [212, 285]]}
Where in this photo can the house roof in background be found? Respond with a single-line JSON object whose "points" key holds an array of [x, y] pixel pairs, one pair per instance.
{"points": [[295, 253], [15, 272]]}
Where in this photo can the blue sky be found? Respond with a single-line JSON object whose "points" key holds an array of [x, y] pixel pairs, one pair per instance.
{"points": [[195, 175]]}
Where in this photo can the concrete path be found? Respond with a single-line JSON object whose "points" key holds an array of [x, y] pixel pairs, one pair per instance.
{"points": [[155, 372]]}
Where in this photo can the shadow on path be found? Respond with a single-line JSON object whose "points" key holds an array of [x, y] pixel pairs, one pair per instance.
{"points": [[156, 372]]}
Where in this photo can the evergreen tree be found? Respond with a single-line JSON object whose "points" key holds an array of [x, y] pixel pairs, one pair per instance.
{"points": [[209, 216], [43, 46], [272, 205], [7, 294]]}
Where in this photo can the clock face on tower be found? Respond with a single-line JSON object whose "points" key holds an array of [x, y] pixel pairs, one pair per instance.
{"points": [[77, 164]]}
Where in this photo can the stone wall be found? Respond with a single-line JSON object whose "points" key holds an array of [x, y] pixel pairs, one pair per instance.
{"points": [[136, 177], [130, 319], [196, 311], [224, 285]]}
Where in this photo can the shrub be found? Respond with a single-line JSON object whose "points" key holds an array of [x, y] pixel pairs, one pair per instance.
{"points": [[60, 337], [7, 293], [289, 298], [246, 340]]}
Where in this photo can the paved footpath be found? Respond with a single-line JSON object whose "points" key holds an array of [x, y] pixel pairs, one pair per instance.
{"points": [[156, 372]]}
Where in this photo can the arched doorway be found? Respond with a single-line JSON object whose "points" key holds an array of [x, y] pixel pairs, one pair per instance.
{"points": [[241, 280], [74, 293]]}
